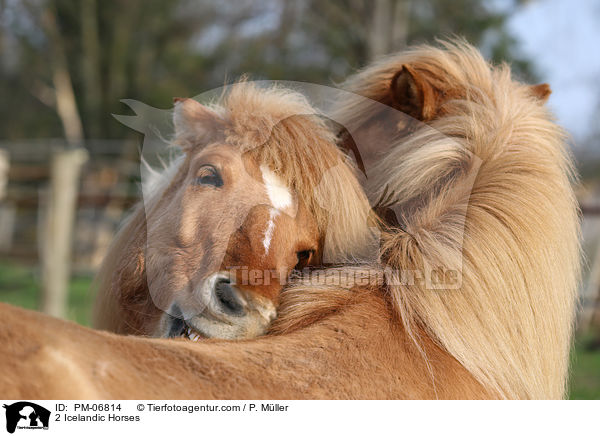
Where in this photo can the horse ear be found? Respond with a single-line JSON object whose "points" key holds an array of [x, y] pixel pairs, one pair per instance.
{"points": [[412, 94], [541, 92], [195, 124]]}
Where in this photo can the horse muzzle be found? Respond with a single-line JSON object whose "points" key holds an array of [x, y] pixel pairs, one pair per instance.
{"points": [[218, 310]]}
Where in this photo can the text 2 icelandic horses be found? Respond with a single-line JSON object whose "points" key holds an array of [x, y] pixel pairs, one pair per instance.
{"points": [[488, 196]]}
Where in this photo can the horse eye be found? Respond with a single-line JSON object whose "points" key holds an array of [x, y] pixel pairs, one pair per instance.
{"points": [[304, 257], [209, 175]]}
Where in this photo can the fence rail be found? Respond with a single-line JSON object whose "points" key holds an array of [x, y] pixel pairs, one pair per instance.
{"points": [[107, 187]]}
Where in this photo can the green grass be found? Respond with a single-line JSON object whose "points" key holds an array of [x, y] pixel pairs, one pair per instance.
{"points": [[585, 372], [20, 286]]}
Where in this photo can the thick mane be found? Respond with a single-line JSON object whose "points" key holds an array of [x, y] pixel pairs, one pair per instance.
{"points": [[488, 193]]}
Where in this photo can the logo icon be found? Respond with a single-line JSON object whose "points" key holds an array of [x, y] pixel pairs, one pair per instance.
{"points": [[26, 415]]}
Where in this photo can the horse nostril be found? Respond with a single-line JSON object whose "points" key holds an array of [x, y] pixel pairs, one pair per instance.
{"points": [[228, 298]]}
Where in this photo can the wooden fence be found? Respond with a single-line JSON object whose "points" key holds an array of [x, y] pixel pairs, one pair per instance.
{"points": [[106, 187]]}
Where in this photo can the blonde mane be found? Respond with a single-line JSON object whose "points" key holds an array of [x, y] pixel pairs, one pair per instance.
{"points": [[503, 161]]}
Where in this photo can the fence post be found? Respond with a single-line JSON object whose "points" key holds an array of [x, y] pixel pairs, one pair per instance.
{"points": [[4, 166], [7, 210], [65, 168], [591, 307]]}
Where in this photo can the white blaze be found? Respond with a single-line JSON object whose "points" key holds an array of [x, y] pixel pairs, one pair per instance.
{"points": [[278, 193], [280, 198], [270, 228]]}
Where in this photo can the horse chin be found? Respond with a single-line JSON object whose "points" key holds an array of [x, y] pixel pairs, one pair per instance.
{"points": [[205, 326]]}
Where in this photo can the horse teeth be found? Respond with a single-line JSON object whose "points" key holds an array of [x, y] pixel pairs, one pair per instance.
{"points": [[191, 334]]}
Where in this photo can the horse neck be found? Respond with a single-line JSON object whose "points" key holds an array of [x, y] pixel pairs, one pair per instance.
{"points": [[122, 277], [342, 332]]}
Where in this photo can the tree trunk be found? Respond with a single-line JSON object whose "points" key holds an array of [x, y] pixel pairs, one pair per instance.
{"points": [[388, 30], [58, 229], [400, 24], [66, 104], [119, 52], [65, 169], [90, 66], [380, 32]]}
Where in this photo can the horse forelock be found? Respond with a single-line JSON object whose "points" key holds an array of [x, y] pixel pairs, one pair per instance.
{"points": [[280, 130]]}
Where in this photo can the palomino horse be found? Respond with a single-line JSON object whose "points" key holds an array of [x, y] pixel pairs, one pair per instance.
{"points": [[222, 228], [505, 332]]}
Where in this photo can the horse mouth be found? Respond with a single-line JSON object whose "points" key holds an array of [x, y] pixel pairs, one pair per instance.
{"points": [[200, 327], [179, 328]]}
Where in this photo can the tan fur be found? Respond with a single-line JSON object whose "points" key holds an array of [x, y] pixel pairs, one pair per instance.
{"points": [[354, 351]]}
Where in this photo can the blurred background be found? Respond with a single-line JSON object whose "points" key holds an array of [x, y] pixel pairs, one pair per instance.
{"points": [[69, 171]]}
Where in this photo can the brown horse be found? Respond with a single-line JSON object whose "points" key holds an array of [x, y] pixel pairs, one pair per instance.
{"points": [[220, 231], [489, 197]]}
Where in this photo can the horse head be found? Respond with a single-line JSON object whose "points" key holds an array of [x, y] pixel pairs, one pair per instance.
{"points": [[240, 207]]}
